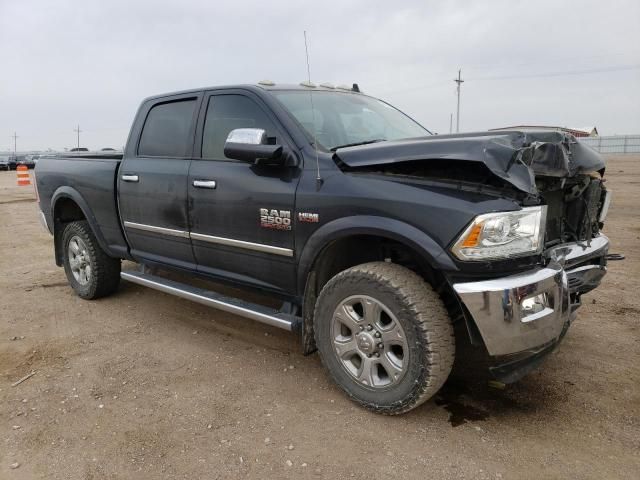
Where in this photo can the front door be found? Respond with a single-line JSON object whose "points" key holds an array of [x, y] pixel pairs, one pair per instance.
{"points": [[241, 215], [152, 184]]}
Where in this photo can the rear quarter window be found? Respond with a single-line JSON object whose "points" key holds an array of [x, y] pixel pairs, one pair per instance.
{"points": [[166, 129]]}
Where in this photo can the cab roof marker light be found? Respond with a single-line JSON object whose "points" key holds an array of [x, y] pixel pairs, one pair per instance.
{"points": [[308, 84], [327, 85], [267, 83], [344, 87]]}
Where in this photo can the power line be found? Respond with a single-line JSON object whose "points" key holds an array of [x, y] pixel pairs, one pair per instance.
{"points": [[547, 61], [515, 77], [459, 82], [508, 64], [560, 74]]}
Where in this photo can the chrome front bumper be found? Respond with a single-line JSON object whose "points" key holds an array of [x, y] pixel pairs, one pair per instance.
{"points": [[525, 311]]}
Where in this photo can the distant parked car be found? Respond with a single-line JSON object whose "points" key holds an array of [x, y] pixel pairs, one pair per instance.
{"points": [[26, 160], [13, 162], [108, 149], [4, 162], [79, 149]]}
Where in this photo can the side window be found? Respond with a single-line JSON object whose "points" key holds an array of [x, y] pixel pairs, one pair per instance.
{"points": [[166, 129], [226, 113]]}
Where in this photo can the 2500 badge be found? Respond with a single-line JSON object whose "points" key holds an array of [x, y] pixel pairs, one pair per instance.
{"points": [[275, 219]]}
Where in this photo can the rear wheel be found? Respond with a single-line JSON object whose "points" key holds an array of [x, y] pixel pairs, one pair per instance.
{"points": [[90, 271], [384, 336]]}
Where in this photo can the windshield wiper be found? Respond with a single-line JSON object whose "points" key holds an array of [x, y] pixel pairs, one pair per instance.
{"points": [[366, 142]]}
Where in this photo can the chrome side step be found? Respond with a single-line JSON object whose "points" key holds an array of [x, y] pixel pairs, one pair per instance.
{"points": [[236, 306]]}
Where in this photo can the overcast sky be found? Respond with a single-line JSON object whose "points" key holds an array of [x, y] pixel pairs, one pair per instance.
{"points": [[524, 62]]}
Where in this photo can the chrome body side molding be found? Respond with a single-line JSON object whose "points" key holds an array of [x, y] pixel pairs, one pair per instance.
{"points": [[230, 242], [154, 229], [258, 247]]}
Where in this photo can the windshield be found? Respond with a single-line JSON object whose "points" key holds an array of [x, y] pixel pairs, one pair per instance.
{"points": [[343, 119]]}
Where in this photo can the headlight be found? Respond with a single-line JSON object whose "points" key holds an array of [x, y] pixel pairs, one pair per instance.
{"points": [[503, 235]]}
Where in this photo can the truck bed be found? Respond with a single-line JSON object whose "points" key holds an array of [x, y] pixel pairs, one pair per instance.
{"points": [[90, 179]]}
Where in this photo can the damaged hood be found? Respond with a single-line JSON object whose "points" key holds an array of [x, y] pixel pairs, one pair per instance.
{"points": [[515, 156]]}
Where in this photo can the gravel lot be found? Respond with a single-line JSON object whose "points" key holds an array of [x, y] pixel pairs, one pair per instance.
{"points": [[145, 385]]}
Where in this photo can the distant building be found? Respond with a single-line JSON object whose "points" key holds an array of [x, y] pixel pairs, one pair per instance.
{"points": [[576, 132]]}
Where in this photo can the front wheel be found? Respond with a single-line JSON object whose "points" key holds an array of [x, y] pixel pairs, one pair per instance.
{"points": [[384, 336], [91, 272]]}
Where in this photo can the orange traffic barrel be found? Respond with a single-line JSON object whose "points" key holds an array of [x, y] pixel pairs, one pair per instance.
{"points": [[23, 175]]}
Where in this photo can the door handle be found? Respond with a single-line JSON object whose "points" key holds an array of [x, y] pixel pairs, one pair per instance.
{"points": [[130, 178], [204, 184]]}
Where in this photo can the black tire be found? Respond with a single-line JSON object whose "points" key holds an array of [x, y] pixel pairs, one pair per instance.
{"points": [[421, 314], [105, 271]]}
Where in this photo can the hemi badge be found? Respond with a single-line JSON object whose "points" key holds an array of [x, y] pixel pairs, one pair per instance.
{"points": [[308, 217]]}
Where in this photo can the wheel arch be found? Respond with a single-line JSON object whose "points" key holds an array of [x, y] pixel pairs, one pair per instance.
{"points": [[68, 205], [370, 226], [350, 241]]}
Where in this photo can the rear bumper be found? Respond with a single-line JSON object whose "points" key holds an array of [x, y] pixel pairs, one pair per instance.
{"points": [[528, 313]]}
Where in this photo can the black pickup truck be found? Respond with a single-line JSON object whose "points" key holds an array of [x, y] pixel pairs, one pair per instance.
{"points": [[386, 246]]}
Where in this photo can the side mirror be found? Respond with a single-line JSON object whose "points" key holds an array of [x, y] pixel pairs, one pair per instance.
{"points": [[251, 145]]}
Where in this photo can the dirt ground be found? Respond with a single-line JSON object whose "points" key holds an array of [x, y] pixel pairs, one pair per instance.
{"points": [[145, 385]]}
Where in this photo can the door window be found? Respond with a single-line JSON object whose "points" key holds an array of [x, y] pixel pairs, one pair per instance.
{"points": [[166, 129], [226, 113]]}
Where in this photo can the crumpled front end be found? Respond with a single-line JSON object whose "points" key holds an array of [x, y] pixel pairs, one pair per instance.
{"points": [[522, 316]]}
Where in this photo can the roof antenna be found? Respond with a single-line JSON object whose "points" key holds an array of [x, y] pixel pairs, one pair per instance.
{"points": [[313, 115]]}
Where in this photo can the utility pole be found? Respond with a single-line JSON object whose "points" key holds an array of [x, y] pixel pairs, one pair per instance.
{"points": [[15, 137], [459, 81], [77, 130], [451, 123]]}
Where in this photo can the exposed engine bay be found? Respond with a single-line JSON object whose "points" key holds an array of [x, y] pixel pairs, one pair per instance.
{"points": [[575, 208]]}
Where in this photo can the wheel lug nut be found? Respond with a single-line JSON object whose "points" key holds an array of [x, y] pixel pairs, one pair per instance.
{"points": [[368, 355], [369, 327], [377, 334], [381, 345], [377, 354], [361, 327]]}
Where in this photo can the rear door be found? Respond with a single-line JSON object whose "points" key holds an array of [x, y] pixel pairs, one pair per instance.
{"points": [[241, 214], [152, 181]]}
